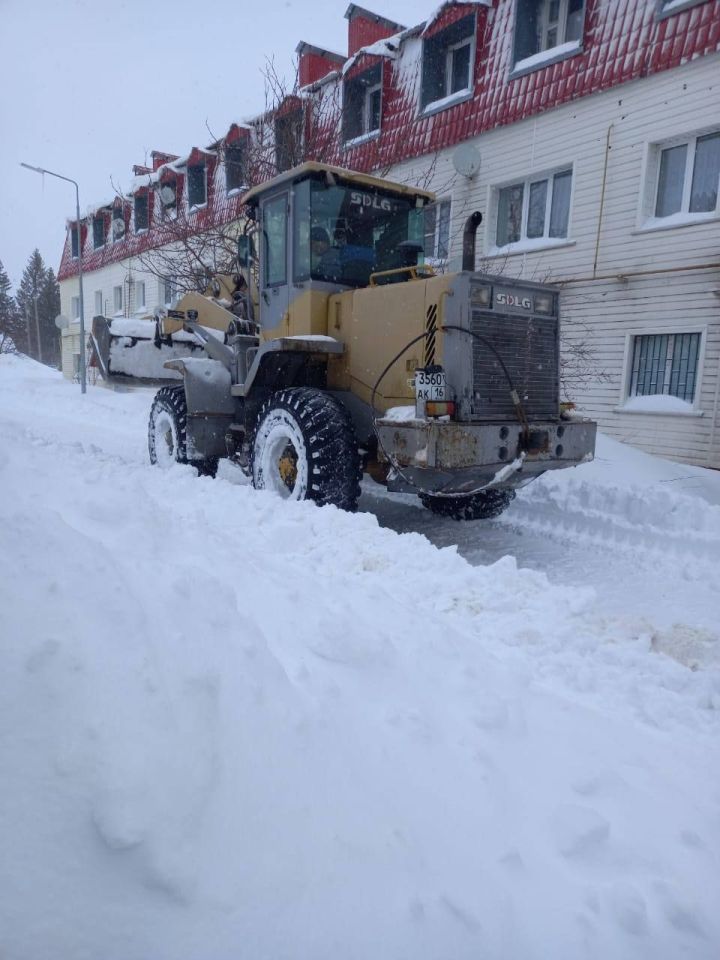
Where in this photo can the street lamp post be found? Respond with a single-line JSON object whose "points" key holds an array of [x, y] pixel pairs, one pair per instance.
{"points": [[83, 375]]}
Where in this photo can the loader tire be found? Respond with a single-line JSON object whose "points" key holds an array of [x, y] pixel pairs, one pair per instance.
{"points": [[167, 432], [476, 506], [304, 448]]}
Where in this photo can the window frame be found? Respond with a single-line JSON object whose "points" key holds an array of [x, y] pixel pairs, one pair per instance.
{"points": [[647, 219], [362, 103], [146, 198], [101, 312], [284, 196], [520, 67], [662, 11], [631, 336], [203, 203], [449, 100], [99, 219], [75, 308], [525, 243], [140, 284], [118, 301], [169, 283], [438, 205], [75, 234], [237, 146]]}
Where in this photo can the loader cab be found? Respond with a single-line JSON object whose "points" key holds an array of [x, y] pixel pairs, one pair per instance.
{"points": [[322, 230]]}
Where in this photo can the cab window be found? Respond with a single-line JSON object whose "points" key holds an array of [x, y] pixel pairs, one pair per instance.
{"points": [[275, 240]]}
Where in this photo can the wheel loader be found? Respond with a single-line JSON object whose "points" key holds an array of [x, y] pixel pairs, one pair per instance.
{"points": [[349, 355]]}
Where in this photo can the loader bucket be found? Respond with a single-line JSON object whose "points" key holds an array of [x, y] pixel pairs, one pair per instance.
{"points": [[125, 349]]}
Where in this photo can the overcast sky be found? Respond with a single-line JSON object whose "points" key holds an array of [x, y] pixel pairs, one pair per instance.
{"points": [[89, 87]]}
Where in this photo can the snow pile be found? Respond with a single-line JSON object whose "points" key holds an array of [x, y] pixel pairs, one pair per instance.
{"points": [[236, 725]]}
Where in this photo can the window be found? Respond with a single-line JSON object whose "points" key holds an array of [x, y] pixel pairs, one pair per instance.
{"points": [[168, 291], [197, 185], [447, 62], [142, 219], [74, 246], [665, 365], [362, 104], [275, 232], [437, 230], [545, 25], [140, 295], [234, 167], [342, 235], [118, 224], [98, 232], [687, 175], [98, 303], [665, 8], [118, 299], [288, 140], [75, 308], [168, 199], [534, 209]]}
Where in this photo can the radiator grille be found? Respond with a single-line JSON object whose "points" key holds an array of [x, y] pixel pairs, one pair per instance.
{"points": [[529, 348]]}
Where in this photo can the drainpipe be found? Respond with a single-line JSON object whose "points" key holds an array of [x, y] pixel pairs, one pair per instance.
{"points": [[602, 198]]}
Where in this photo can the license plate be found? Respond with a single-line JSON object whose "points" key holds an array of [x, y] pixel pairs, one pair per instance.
{"points": [[430, 386]]}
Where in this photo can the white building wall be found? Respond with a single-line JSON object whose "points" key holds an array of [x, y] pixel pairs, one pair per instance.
{"points": [[620, 279]]}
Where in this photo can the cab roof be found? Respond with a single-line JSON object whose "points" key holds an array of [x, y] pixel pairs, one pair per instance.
{"points": [[347, 177]]}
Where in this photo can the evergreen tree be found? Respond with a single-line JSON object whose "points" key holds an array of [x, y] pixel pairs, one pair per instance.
{"points": [[12, 331], [38, 299]]}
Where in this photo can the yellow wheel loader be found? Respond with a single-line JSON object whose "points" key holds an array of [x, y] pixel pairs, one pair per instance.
{"points": [[351, 355]]}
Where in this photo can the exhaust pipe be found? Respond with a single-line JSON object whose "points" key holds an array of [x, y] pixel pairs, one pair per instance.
{"points": [[469, 231]]}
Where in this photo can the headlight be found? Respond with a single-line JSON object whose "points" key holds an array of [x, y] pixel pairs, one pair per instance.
{"points": [[480, 294], [544, 303]]}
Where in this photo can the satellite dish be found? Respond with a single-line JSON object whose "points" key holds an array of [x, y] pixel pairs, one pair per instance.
{"points": [[466, 160], [62, 322], [167, 195]]}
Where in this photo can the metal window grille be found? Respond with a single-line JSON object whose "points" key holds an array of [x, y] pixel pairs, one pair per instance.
{"points": [[665, 364]]}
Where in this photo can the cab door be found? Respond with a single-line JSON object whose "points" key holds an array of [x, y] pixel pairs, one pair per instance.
{"points": [[274, 285]]}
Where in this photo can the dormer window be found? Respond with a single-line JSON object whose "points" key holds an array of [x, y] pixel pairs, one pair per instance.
{"points": [[168, 199], [99, 231], [288, 140], [362, 104], [234, 166], [447, 62], [197, 185], [552, 27], [118, 224], [142, 219], [74, 244]]}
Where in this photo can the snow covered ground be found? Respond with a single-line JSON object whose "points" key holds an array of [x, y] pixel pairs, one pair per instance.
{"points": [[239, 727]]}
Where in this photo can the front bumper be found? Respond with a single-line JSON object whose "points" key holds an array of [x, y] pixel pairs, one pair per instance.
{"points": [[437, 455]]}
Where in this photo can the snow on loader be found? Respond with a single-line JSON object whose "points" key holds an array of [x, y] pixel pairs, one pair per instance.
{"points": [[135, 349], [446, 386]]}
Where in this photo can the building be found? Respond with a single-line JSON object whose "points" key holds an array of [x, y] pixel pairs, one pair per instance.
{"points": [[588, 135]]}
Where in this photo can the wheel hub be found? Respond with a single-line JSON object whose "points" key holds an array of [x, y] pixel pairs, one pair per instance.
{"points": [[287, 466]]}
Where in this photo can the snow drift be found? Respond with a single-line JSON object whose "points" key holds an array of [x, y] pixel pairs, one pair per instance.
{"points": [[235, 726]]}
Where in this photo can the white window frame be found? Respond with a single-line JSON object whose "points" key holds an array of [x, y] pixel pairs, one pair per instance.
{"points": [[436, 259], [120, 219], [367, 109], [118, 300], [450, 99], [75, 308], [526, 243], [647, 220], [169, 283], [626, 381], [140, 306], [99, 297], [75, 256], [546, 54], [466, 42]]}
